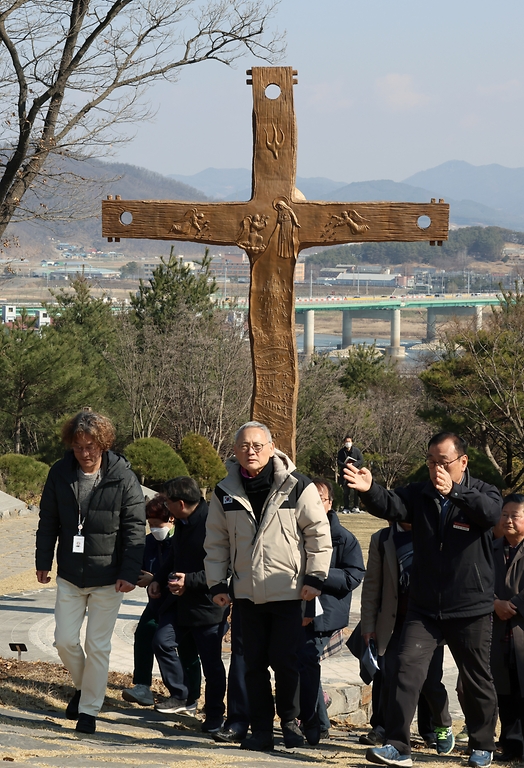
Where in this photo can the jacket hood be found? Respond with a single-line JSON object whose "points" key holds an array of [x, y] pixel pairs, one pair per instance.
{"points": [[112, 463]]}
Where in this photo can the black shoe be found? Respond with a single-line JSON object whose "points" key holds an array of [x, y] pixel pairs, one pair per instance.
{"points": [[72, 708], [259, 741], [324, 735], [212, 726], [292, 734], [86, 723], [312, 730], [228, 736], [372, 737]]}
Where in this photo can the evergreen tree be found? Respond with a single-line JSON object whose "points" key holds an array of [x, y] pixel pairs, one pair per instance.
{"points": [[154, 461], [202, 461], [174, 287]]}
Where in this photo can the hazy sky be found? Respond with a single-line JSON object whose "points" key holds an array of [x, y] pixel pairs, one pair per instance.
{"points": [[386, 88]]}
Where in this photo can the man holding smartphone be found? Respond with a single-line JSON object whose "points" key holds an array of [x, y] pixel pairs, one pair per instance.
{"points": [[349, 453]]}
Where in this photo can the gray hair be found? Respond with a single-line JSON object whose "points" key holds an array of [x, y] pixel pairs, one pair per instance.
{"points": [[254, 425]]}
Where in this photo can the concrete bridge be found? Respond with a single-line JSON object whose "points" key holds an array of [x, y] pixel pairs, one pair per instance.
{"points": [[388, 309]]}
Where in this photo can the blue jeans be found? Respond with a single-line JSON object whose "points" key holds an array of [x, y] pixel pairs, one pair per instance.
{"points": [[208, 641]]}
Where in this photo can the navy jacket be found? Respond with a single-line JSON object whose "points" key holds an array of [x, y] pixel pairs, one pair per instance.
{"points": [[195, 607], [452, 574], [346, 571]]}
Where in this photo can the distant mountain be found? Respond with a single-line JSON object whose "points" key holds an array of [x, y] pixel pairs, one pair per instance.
{"points": [[467, 208], [493, 185], [130, 182], [235, 184], [463, 213]]}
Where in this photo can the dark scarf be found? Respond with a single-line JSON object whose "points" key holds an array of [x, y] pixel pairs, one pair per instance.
{"points": [[257, 488]]}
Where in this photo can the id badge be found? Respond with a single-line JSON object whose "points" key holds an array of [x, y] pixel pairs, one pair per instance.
{"points": [[78, 543]]}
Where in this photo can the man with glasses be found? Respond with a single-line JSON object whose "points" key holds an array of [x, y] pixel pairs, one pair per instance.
{"points": [[451, 595], [267, 527]]}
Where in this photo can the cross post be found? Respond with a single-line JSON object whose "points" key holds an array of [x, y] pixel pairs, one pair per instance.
{"points": [[273, 227]]}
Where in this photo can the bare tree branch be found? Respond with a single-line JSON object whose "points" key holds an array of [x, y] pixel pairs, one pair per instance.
{"points": [[76, 73]]}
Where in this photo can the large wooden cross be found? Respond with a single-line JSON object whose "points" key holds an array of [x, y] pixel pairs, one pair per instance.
{"points": [[273, 227]]}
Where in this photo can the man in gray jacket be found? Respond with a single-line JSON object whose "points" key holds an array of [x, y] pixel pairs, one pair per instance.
{"points": [[266, 526]]}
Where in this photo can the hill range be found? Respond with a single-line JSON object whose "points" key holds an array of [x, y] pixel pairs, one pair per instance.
{"points": [[489, 195]]}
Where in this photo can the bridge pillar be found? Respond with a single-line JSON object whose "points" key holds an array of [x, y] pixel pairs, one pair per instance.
{"points": [[309, 332], [347, 329], [478, 317], [431, 326], [395, 350]]}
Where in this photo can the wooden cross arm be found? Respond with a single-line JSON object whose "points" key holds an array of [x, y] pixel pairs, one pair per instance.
{"points": [[212, 223], [335, 223]]}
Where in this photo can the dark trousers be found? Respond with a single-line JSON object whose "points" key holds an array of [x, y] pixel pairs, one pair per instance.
{"points": [[350, 497], [208, 640], [144, 656], [271, 635], [469, 641], [237, 701], [433, 704], [511, 711], [311, 695]]}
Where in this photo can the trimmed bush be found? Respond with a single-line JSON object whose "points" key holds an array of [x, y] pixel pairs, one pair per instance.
{"points": [[154, 461], [23, 476], [203, 462]]}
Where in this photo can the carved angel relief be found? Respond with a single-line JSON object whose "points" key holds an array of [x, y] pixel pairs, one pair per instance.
{"points": [[352, 219], [191, 224], [249, 237]]}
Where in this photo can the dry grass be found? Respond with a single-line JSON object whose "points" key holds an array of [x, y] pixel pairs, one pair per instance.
{"points": [[41, 685]]}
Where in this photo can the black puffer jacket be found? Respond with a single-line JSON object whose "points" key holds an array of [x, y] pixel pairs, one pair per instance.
{"points": [[195, 607], [114, 527], [452, 574], [346, 571]]}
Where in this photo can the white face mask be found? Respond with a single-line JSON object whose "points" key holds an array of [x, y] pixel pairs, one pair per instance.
{"points": [[348, 444], [160, 533]]}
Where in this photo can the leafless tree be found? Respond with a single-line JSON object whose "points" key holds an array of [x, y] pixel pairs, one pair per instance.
{"points": [[143, 361], [73, 76]]}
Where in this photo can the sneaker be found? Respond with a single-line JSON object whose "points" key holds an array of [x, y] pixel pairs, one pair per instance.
{"points": [[373, 737], [480, 758], [445, 741], [139, 694], [292, 735], [171, 706], [228, 736], [72, 708], [356, 510], [463, 736], [259, 741], [86, 723], [388, 755], [324, 735], [189, 709]]}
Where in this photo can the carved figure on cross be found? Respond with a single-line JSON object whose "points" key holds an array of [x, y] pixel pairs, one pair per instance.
{"points": [[273, 227]]}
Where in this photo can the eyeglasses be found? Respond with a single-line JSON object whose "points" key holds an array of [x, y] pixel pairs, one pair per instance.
{"points": [[323, 499], [257, 447], [85, 448], [444, 464]]}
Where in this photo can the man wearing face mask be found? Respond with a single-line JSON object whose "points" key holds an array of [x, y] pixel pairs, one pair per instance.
{"points": [[354, 454], [158, 543], [189, 610]]}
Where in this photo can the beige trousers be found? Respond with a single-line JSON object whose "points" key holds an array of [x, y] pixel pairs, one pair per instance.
{"points": [[89, 670]]}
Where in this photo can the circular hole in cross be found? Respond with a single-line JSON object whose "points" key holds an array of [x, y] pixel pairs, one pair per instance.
{"points": [[423, 222], [126, 218], [272, 91]]}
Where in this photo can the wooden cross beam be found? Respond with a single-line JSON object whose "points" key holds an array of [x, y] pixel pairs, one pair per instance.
{"points": [[273, 227]]}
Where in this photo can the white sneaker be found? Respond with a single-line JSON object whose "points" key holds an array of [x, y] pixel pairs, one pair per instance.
{"points": [[189, 709], [139, 694], [345, 511]]}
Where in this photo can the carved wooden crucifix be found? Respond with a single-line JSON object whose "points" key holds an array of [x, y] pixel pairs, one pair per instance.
{"points": [[273, 227]]}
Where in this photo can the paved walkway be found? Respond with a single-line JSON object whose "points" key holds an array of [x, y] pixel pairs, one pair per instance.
{"points": [[28, 617]]}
